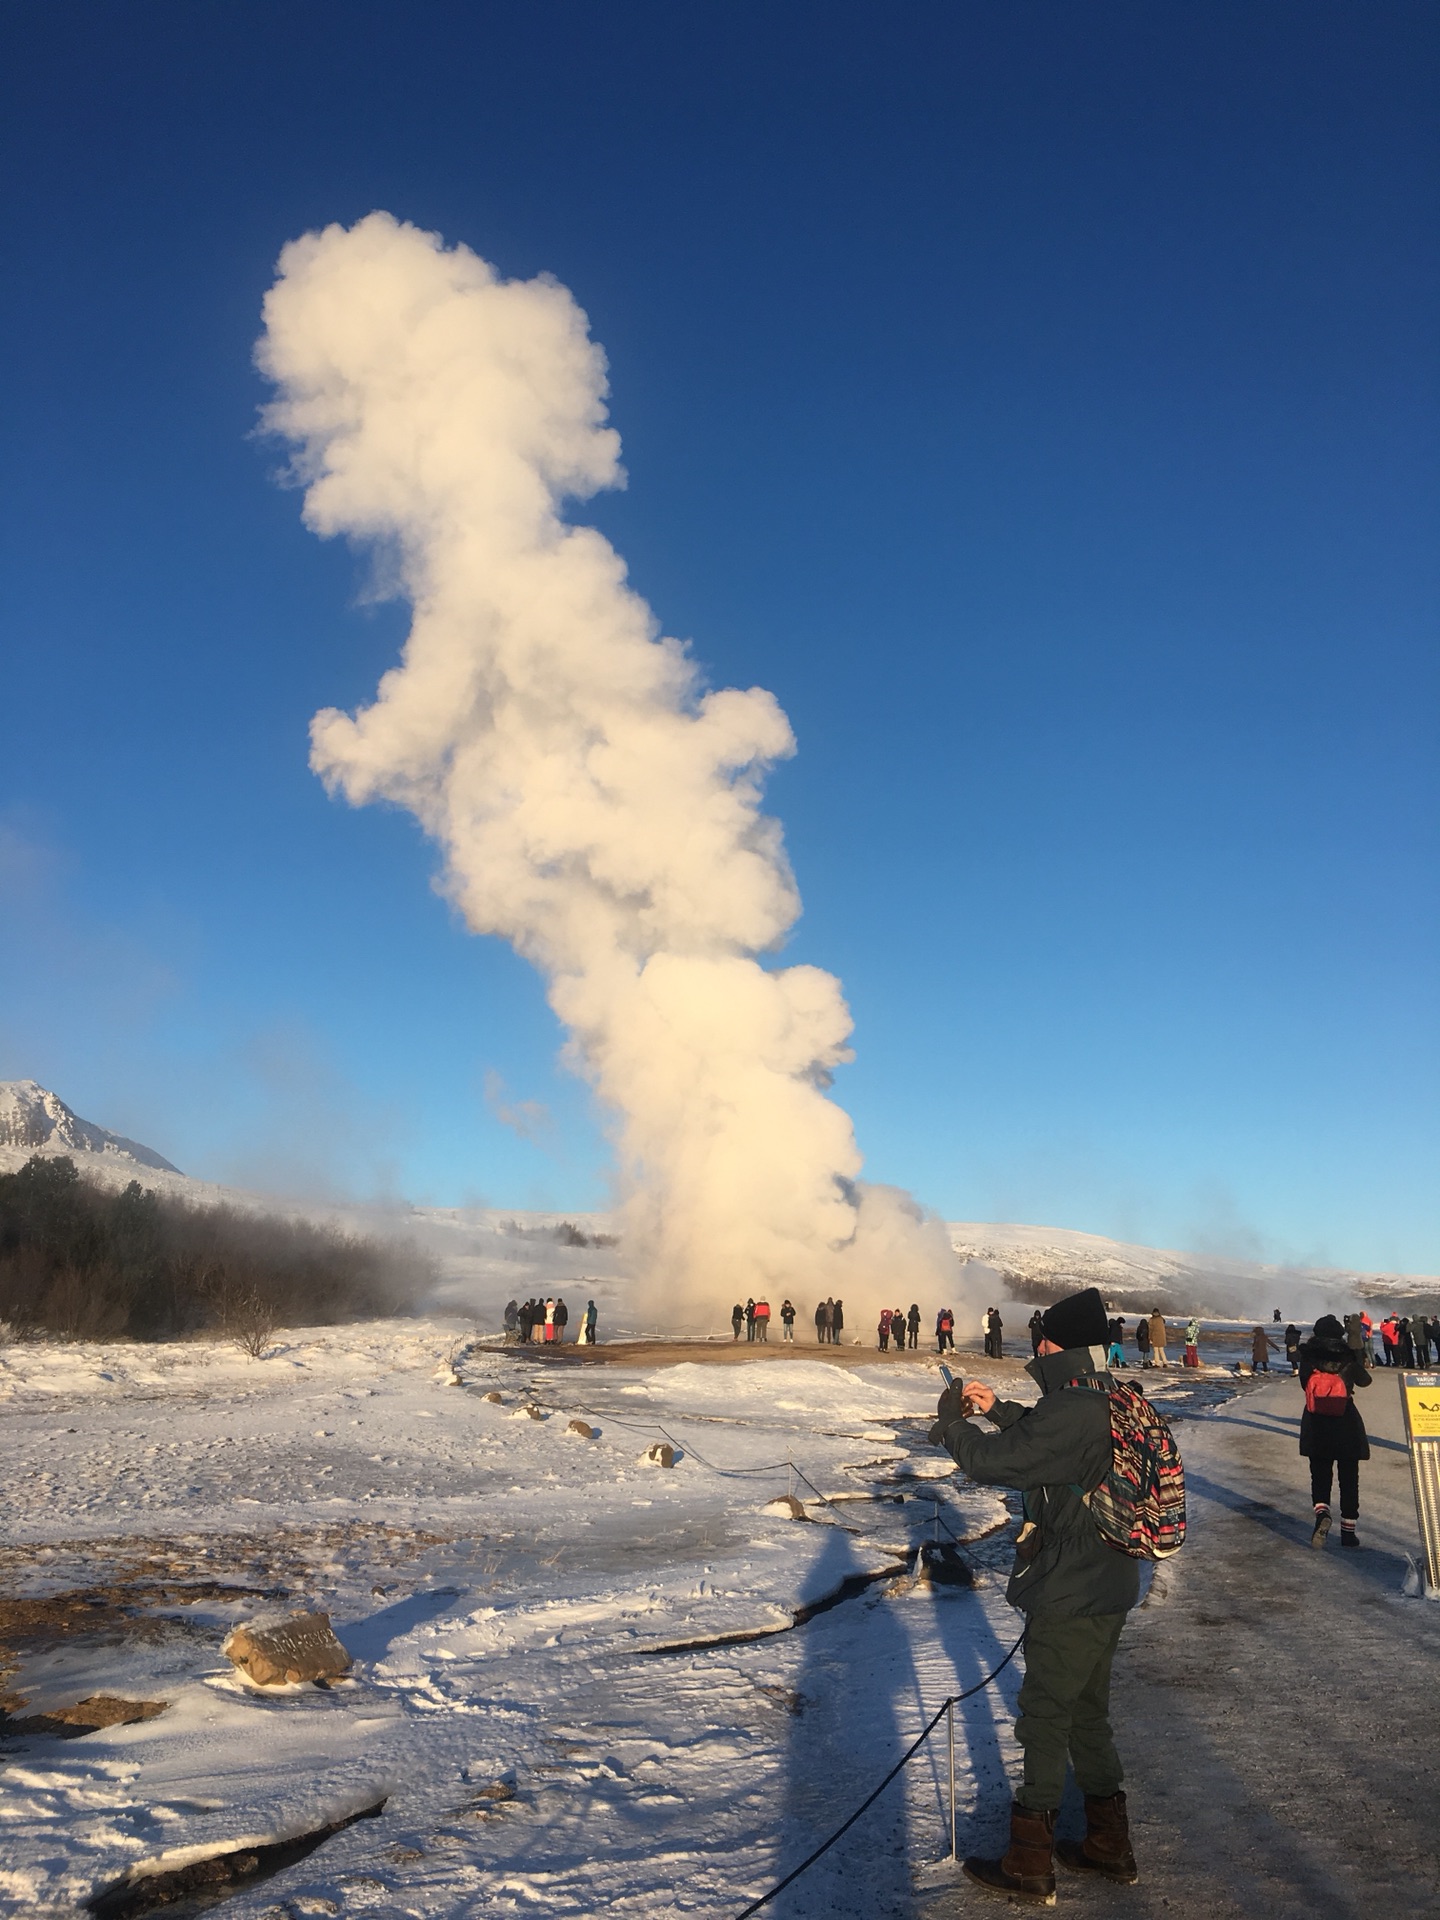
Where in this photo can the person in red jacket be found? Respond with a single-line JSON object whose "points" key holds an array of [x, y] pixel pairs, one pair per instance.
{"points": [[1332, 1434], [762, 1320]]}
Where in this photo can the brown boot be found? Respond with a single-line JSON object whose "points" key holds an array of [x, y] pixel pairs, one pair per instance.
{"points": [[1106, 1847], [1027, 1871]]}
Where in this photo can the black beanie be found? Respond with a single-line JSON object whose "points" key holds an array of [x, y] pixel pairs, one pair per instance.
{"points": [[1079, 1320], [1327, 1327]]}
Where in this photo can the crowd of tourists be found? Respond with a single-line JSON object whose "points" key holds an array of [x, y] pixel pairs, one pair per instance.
{"points": [[899, 1326], [545, 1321], [1406, 1340]]}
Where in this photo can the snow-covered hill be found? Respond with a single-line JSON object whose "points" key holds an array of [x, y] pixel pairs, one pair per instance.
{"points": [[1036, 1264], [34, 1120]]}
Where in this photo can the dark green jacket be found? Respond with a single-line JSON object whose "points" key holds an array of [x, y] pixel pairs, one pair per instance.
{"points": [[1044, 1452]]}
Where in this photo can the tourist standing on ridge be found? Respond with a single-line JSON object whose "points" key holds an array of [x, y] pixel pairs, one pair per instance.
{"points": [[737, 1318], [1332, 1434], [787, 1319], [749, 1319], [762, 1321], [1074, 1589], [822, 1320], [944, 1330], [1292, 1346], [885, 1318], [1157, 1340], [1037, 1332], [912, 1325], [1115, 1357], [837, 1321], [1367, 1338], [1142, 1340], [1261, 1347], [562, 1318], [588, 1323]]}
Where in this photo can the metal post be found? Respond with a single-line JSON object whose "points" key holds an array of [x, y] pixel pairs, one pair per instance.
{"points": [[951, 1718], [1420, 1398]]}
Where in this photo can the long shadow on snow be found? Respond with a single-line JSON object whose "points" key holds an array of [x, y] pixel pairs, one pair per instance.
{"points": [[1377, 1566], [844, 1739], [370, 1638], [1283, 1425], [974, 1650]]}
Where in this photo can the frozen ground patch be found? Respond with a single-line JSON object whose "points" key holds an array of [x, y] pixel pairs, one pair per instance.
{"points": [[503, 1587]]}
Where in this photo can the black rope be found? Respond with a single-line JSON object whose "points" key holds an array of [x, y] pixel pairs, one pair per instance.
{"points": [[903, 1762]]}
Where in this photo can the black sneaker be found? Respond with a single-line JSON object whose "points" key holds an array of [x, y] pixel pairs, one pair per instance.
{"points": [[1322, 1527], [1348, 1538]]}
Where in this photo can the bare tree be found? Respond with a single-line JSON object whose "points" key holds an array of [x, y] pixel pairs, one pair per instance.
{"points": [[252, 1322]]}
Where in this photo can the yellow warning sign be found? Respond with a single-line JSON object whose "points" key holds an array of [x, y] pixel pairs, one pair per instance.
{"points": [[1422, 1405]]}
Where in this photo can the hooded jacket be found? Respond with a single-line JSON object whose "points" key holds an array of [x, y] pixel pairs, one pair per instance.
{"points": [[1049, 1452]]}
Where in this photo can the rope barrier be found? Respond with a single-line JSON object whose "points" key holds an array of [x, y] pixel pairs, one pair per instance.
{"points": [[947, 1707]]}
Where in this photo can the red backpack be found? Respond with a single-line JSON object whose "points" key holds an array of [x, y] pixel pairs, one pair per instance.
{"points": [[1326, 1393]]}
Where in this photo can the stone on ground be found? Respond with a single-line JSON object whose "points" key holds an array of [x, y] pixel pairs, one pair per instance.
{"points": [[304, 1647]]}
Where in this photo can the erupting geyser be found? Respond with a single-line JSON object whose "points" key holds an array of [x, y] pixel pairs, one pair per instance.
{"points": [[596, 807]]}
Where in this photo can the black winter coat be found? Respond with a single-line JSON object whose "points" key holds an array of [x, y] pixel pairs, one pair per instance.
{"points": [[1046, 1451], [1327, 1436]]}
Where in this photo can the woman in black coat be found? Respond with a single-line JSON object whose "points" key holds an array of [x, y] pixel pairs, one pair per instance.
{"points": [[1332, 1434]]}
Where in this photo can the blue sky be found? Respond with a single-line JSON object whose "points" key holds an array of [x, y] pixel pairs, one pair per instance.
{"points": [[1040, 400]]}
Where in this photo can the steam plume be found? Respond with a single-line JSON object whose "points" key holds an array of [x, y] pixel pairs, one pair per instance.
{"points": [[596, 806]]}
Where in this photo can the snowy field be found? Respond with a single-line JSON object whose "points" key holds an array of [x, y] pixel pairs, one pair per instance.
{"points": [[586, 1684], [544, 1692]]}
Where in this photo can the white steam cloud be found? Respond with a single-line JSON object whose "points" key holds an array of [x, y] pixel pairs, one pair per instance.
{"points": [[596, 806]]}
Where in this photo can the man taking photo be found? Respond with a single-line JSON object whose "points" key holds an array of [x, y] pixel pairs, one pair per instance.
{"points": [[1074, 1587]]}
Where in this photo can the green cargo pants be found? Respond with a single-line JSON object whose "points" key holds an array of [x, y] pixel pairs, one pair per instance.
{"points": [[1065, 1706]]}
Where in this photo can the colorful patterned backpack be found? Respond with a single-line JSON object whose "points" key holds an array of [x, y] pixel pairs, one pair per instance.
{"points": [[1139, 1507]]}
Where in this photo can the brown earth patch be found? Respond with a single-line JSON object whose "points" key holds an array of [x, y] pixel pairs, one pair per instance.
{"points": [[86, 1716], [720, 1352]]}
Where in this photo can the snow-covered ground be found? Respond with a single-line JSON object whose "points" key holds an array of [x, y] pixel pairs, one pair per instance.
{"points": [[580, 1684], [508, 1590]]}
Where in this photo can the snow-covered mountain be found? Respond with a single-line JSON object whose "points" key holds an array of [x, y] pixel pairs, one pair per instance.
{"points": [[34, 1120]]}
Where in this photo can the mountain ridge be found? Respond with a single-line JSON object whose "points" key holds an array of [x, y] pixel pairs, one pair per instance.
{"points": [[37, 1121]]}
